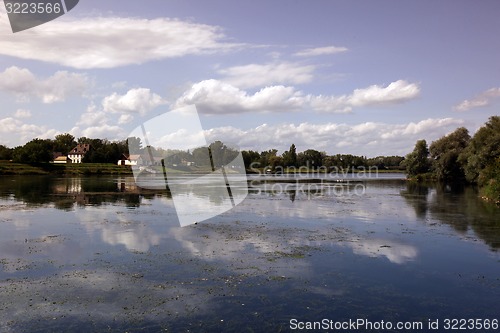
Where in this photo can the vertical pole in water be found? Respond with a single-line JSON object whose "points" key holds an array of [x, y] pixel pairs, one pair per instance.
{"points": [[212, 163], [165, 174]]}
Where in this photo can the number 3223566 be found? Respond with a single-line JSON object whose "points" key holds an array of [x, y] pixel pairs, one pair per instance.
{"points": [[33, 8]]}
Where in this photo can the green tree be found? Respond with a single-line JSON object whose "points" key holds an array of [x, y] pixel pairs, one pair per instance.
{"points": [[35, 151], [310, 158], [221, 153], [483, 150], [5, 153], [265, 157], [134, 145], [249, 157], [201, 156], [386, 162], [290, 157], [417, 162], [64, 143], [445, 152], [276, 162]]}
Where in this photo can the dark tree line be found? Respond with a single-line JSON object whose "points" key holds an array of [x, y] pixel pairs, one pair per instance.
{"points": [[458, 157], [314, 159], [105, 151], [42, 150]]}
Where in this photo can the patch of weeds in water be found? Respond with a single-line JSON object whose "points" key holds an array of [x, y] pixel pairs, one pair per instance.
{"points": [[293, 255], [277, 278]]}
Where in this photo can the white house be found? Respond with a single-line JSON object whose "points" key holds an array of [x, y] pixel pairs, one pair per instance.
{"points": [[77, 154], [131, 160]]}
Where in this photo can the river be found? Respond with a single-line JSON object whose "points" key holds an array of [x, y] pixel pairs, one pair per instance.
{"points": [[98, 254]]}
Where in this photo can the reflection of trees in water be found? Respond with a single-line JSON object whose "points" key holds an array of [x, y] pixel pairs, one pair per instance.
{"points": [[416, 195], [34, 190], [458, 206], [65, 192]]}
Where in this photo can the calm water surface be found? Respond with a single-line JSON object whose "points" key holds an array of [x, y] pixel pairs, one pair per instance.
{"points": [[100, 255]]}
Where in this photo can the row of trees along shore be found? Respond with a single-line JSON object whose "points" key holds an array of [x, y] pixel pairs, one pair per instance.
{"points": [[456, 157], [39, 151], [460, 158]]}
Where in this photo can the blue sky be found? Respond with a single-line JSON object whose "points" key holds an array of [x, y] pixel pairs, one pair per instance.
{"points": [[362, 77]]}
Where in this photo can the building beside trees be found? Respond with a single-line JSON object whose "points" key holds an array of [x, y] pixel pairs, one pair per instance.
{"points": [[77, 154]]}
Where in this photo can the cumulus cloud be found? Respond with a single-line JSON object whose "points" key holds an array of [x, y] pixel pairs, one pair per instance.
{"points": [[255, 75], [14, 132], [22, 113], [106, 42], [483, 99], [92, 117], [319, 51], [139, 100], [104, 131], [94, 123], [125, 119], [216, 97], [370, 138], [56, 88]]}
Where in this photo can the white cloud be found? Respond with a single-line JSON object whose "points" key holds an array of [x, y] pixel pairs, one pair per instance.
{"points": [[254, 75], [318, 51], [125, 119], [396, 92], [106, 42], [92, 117], [94, 123], [56, 88], [216, 97], [103, 131], [139, 100], [370, 139], [14, 132], [483, 99], [22, 113]]}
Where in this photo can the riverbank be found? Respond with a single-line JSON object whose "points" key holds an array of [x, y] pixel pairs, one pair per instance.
{"points": [[10, 168]]}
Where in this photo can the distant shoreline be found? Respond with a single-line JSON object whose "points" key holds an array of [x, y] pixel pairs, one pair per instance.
{"points": [[11, 168]]}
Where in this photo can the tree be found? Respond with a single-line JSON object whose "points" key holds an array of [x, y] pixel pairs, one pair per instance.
{"points": [[310, 158], [417, 162], [276, 162], [222, 154], [64, 143], [5, 153], [386, 162], [445, 152], [249, 157], [266, 155], [201, 156], [35, 151], [483, 150], [290, 157], [134, 145]]}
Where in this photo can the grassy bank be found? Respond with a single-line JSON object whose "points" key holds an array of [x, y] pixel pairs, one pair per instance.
{"points": [[10, 168]]}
